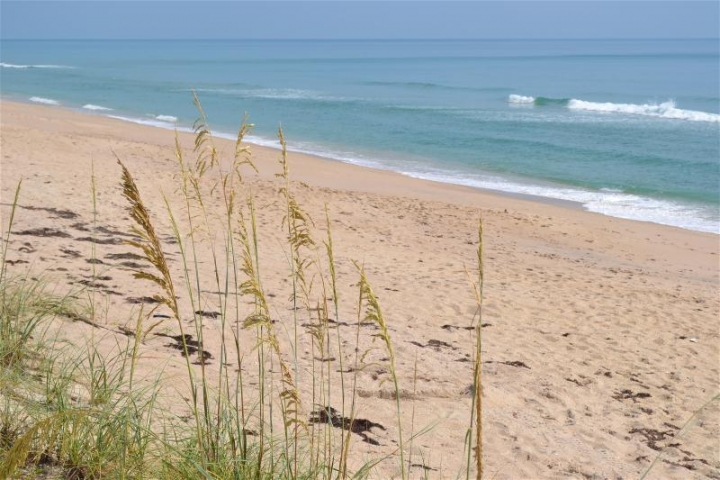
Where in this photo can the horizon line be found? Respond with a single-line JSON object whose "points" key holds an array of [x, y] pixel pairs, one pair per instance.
{"points": [[415, 39]]}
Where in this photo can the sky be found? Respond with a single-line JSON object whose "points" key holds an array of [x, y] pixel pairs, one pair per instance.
{"points": [[168, 19]]}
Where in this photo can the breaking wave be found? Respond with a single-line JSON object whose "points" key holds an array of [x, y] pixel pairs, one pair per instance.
{"points": [[90, 106], [152, 122], [521, 100], [46, 101], [16, 66], [271, 93], [666, 110], [661, 110]]}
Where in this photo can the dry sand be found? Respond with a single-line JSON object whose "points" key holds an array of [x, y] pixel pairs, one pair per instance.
{"points": [[600, 336]]}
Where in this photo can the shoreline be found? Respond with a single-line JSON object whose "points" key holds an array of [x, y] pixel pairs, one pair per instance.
{"points": [[337, 175], [266, 144], [576, 205]]}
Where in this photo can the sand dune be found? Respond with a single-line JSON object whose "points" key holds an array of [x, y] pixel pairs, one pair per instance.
{"points": [[600, 335]]}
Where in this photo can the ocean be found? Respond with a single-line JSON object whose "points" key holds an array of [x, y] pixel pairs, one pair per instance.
{"points": [[627, 128]]}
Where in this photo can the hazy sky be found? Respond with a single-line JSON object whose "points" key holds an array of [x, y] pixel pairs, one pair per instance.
{"points": [[359, 19]]}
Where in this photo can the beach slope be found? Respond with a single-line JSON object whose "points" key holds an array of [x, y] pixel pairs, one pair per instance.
{"points": [[600, 335]]}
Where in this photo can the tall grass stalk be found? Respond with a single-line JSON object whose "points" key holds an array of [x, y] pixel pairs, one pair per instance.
{"points": [[330, 254], [412, 415], [478, 358], [345, 445], [373, 313], [476, 409], [6, 240], [151, 248], [299, 238], [93, 248]]}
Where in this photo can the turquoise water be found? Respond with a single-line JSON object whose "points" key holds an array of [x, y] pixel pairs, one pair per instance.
{"points": [[627, 128]]}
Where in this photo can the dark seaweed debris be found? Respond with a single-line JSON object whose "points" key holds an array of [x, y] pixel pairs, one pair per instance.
{"points": [[44, 232], [629, 394], [15, 262], [124, 256], [70, 253], [360, 426], [101, 241], [58, 213], [653, 436], [192, 346], [436, 344], [137, 300], [514, 363]]}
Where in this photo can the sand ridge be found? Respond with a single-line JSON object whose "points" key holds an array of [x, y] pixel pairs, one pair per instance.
{"points": [[600, 334]]}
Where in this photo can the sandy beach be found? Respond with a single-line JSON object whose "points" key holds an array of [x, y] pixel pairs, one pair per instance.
{"points": [[600, 335]]}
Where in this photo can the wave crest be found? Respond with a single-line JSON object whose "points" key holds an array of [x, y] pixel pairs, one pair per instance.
{"points": [[16, 66], [90, 106], [46, 101], [659, 110], [521, 99], [662, 110], [275, 94], [151, 122]]}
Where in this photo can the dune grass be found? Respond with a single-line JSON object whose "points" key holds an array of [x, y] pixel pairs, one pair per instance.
{"points": [[86, 414]]}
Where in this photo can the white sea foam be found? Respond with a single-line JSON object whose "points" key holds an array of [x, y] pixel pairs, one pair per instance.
{"points": [[12, 65], [662, 110], [521, 99], [151, 123], [273, 93], [285, 94], [166, 118], [606, 202], [90, 106], [666, 110], [46, 101]]}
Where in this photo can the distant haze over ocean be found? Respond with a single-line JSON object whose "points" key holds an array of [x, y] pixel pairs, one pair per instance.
{"points": [[628, 128]]}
